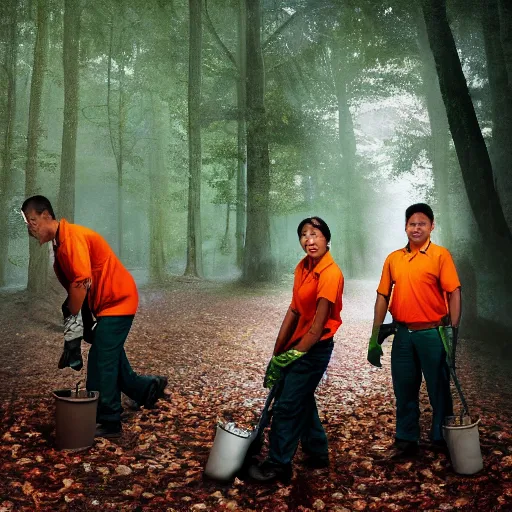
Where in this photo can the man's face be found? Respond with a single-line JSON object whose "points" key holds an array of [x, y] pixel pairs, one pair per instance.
{"points": [[418, 228], [39, 226], [313, 242]]}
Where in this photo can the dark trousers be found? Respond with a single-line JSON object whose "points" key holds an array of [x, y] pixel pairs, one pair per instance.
{"points": [[295, 415], [414, 353], [109, 371]]}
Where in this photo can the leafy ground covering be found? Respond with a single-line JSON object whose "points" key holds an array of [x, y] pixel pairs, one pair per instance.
{"points": [[213, 341]]}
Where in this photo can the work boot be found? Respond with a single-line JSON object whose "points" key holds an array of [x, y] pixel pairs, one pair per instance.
{"points": [[268, 472], [108, 429], [155, 391], [402, 448], [316, 461]]}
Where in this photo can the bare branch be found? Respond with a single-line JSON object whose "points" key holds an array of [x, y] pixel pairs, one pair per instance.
{"points": [[216, 37]]}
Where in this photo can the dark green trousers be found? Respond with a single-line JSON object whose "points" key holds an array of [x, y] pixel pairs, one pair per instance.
{"points": [[109, 371], [295, 415], [414, 353]]}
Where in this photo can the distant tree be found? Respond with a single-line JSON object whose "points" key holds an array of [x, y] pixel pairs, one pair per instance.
{"points": [[38, 256], [194, 252], [8, 12], [505, 14], [258, 265], [70, 52]]}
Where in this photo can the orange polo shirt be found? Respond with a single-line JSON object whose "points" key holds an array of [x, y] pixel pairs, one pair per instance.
{"points": [[84, 256], [419, 282], [325, 280]]}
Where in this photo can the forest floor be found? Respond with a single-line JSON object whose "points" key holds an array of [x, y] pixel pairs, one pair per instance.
{"points": [[213, 341]]}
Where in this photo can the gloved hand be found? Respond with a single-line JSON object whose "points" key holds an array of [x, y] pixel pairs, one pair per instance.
{"points": [[73, 334], [385, 331], [72, 355], [276, 363], [374, 348], [449, 336]]}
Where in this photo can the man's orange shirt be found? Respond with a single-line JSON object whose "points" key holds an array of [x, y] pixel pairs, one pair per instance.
{"points": [[83, 256], [325, 280], [419, 282]]}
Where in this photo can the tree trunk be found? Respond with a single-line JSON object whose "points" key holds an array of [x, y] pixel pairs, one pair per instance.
{"points": [[353, 204], [38, 259], [120, 160], [439, 132], [258, 264], [469, 143], [157, 196], [505, 15], [241, 178], [501, 97], [194, 242], [66, 204], [11, 53]]}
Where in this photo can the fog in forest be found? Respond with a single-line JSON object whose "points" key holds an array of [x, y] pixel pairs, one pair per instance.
{"points": [[195, 137]]}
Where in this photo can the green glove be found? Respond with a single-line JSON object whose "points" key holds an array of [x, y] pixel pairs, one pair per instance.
{"points": [[273, 372], [374, 348], [449, 336]]}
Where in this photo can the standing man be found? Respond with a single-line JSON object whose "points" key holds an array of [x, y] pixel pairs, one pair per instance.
{"points": [[420, 285], [90, 272]]}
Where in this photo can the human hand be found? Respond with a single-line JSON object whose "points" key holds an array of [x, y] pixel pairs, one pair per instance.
{"points": [[275, 365], [374, 348]]}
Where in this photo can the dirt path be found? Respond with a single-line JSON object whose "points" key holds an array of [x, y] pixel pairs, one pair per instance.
{"points": [[213, 341]]}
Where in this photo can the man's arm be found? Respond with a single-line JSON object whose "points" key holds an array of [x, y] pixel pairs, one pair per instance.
{"points": [[323, 308], [76, 297], [287, 328], [454, 306], [380, 310]]}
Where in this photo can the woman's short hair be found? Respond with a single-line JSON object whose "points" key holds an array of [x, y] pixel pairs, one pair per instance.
{"points": [[319, 224]]}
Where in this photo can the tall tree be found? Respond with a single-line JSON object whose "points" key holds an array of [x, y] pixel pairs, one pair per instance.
{"points": [[241, 176], [439, 129], [258, 265], [157, 194], [194, 240], [9, 14], [501, 101], [469, 143], [505, 15], [71, 44], [38, 256]]}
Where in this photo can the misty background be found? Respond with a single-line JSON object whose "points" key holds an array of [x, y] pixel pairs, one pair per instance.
{"points": [[195, 136]]}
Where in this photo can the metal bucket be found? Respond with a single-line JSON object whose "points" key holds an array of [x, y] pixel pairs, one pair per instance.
{"points": [[463, 441], [75, 418], [227, 454]]}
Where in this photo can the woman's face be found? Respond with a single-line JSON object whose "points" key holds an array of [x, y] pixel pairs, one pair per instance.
{"points": [[313, 242]]}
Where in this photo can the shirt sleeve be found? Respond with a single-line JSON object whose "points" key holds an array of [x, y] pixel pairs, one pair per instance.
{"points": [[448, 276], [386, 281], [329, 283], [78, 260]]}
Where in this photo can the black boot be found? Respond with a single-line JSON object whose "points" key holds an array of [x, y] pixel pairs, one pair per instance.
{"points": [[268, 472], [155, 391], [108, 429]]}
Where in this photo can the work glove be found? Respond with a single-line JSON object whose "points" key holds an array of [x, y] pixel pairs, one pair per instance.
{"points": [[374, 348], [72, 355], [385, 331], [449, 336], [275, 365], [73, 334]]}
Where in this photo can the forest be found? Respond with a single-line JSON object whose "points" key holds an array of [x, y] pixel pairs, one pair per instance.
{"points": [[194, 136]]}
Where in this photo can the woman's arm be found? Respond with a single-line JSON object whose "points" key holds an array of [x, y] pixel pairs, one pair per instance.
{"points": [[323, 308], [287, 329]]}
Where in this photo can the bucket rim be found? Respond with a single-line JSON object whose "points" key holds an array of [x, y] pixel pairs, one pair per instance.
{"points": [[462, 427], [219, 425], [93, 396]]}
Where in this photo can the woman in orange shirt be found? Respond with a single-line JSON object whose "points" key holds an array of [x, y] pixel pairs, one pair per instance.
{"points": [[301, 354]]}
